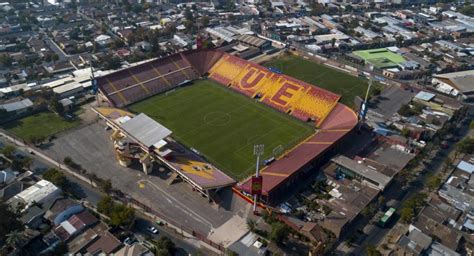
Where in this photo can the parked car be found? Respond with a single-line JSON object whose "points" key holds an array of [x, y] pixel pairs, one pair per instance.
{"points": [[129, 240], [444, 145], [152, 229]]}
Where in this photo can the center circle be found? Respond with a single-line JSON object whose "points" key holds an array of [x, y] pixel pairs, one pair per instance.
{"points": [[217, 118]]}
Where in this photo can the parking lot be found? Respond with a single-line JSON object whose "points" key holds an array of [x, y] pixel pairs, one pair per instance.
{"points": [[91, 147]]}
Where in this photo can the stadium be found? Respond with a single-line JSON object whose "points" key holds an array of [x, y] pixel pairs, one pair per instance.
{"points": [[201, 112]]}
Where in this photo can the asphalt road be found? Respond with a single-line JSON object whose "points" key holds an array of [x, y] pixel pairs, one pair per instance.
{"points": [[140, 230], [55, 48]]}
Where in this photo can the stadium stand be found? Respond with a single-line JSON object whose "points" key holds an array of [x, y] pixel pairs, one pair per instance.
{"points": [[287, 94], [130, 85], [226, 69], [202, 60]]}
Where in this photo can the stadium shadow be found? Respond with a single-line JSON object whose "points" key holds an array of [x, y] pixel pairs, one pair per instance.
{"points": [[224, 198], [160, 172]]}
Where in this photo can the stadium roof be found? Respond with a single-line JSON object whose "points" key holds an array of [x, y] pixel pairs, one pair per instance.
{"points": [[145, 130]]}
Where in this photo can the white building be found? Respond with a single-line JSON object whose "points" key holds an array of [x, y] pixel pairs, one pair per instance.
{"points": [[75, 84], [103, 40], [40, 192]]}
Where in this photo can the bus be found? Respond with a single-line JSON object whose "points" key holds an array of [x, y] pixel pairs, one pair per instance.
{"points": [[386, 217]]}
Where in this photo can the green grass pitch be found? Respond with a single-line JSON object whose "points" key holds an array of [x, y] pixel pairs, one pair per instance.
{"points": [[43, 124], [322, 76], [223, 125]]}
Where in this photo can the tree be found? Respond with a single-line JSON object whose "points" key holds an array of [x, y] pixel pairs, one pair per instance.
{"points": [[188, 14], [56, 177], [406, 214], [121, 215], [8, 151], [8, 221], [399, 40], [471, 125], [105, 205], [406, 132], [466, 146], [3, 114], [230, 5], [112, 62], [205, 21], [251, 224], [333, 42], [448, 163], [372, 251], [116, 44], [14, 239], [317, 9], [60, 249], [106, 186], [26, 162], [164, 246], [55, 57], [279, 232], [405, 110], [467, 10], [68, 161], [433, 182], [6, 60]]}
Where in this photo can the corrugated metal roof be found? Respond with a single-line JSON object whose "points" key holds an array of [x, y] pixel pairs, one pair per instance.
{"points": [[426, 96], [14, 106], [145, 130], [465, 166]]}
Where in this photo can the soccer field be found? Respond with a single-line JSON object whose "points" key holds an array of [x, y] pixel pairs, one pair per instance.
{"points": [[43, 124], [224, 125], [322, 76]]}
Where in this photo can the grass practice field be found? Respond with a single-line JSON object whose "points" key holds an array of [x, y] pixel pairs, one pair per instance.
{"points": [[43, 124], [223, 125], [322, 76], [381, 57]]}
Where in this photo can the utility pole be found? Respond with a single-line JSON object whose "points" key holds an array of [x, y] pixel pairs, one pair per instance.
{"points": [[257, 151]]}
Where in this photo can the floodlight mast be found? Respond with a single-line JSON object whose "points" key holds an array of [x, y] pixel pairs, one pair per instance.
{"points": [[363, 109], [257, 151]]}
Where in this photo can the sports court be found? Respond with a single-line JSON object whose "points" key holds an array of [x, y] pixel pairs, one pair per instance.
{"points": [[223, 125]]}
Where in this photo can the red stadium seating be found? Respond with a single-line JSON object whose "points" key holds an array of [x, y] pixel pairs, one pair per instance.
{"points": [[133, 84]]}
